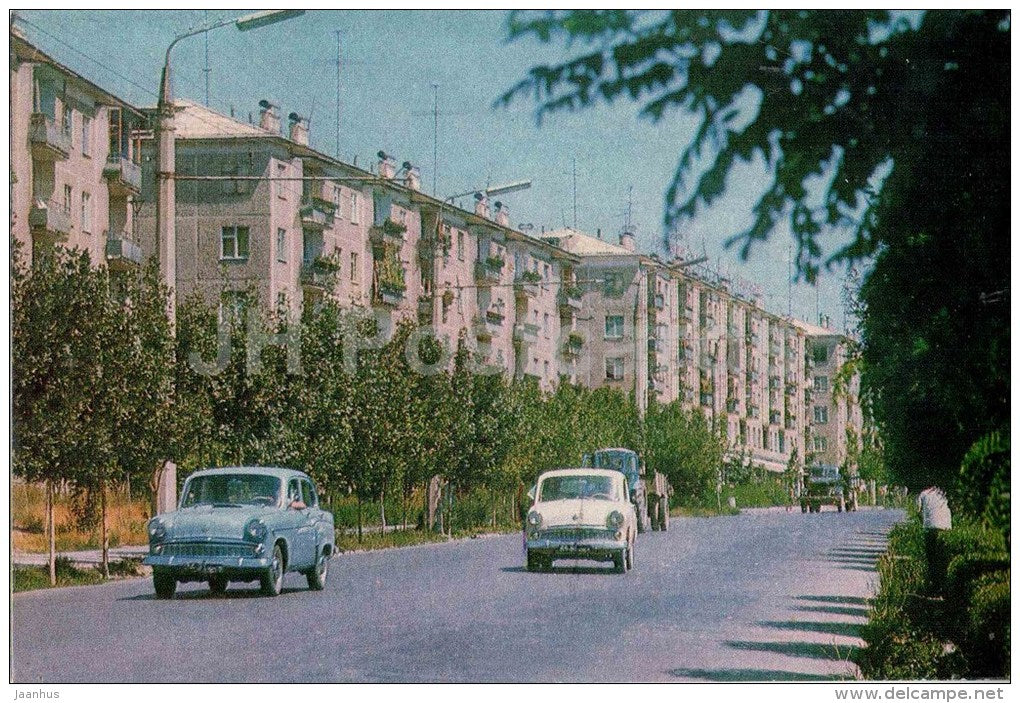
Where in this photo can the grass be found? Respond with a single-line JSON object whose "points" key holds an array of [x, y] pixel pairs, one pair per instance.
{"points": [[28, 514], [32, 578]]}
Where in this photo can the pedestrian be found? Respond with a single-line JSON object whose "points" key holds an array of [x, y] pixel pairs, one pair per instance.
{"points": [[935, 518]]}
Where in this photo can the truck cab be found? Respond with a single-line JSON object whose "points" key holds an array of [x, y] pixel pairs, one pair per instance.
{"points": [[650, 501]]}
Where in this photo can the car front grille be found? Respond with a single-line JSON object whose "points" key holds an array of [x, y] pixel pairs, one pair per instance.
{"points": [[577, 533], [204, 549]]}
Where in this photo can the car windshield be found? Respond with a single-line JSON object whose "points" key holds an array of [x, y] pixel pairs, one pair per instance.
{"points": [[574, 487], [232, 490]]}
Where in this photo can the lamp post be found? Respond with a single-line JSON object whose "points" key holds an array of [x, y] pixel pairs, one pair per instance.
{"points": [[166, 234], [164, 479]]}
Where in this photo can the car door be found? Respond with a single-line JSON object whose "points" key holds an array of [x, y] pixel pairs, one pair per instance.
{"points": [[317, 522], [297, 527]]}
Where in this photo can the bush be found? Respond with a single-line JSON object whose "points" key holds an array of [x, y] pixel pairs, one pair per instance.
{"points": [[987, 640]]}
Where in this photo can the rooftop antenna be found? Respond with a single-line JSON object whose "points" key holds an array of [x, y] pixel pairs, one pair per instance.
{"points": [[337, 32], [435, 135], [789, 280], [575, 192], [206, 70], [629, 223]]}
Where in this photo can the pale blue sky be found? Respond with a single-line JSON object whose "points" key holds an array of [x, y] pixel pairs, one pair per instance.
{"points": [[390, 60]]}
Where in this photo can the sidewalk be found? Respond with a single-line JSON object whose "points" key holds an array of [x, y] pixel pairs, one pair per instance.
{"points": [[87, 558]]}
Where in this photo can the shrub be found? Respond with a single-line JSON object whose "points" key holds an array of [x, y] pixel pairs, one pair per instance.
{"points": [[986, 645]]}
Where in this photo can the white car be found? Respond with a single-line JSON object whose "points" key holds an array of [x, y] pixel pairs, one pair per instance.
{"points": [[581, 514]]}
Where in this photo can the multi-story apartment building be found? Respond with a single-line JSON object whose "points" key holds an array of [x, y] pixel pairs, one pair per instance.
{"points": [[832, 396], [74, 161], [261, 213]]}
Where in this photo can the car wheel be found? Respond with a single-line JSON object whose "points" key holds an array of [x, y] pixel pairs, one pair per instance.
{"points": [[317, 576], [272, 578], [620, 561], [164, 583], [218, 585]]}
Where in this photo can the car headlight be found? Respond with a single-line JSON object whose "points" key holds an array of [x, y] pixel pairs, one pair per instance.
{"points": [[255, 530], [615, 519], [534, 518], [157, 530]]}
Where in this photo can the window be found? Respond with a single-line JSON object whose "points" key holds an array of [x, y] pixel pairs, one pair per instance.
{"points": [[545, 272], [821, 415], [281, 302], [337, 200], [820, 354], [355, 209], [545, 325], [86, 135], [67, 120], [545, 369], [822, 384], [614, 326], [86, 213], [232, 307], [311, 497], [281, 185], [460, 245], [614, 369], [820, 444], [67, 200], [293, 491], [234, 242], [354, 267], [281, 245]]}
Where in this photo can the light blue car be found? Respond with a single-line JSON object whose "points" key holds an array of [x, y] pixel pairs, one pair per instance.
{"points": [[242, 524]]}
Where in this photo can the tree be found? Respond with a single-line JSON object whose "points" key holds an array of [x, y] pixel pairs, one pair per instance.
{"points": [[889, 129], [62, 326]]}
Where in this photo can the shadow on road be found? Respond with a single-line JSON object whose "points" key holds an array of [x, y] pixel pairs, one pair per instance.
{"points": [[560, 570], [808, 650], [846, 629], [201, 594], [747, 675], [849, 600], [835, 610]]}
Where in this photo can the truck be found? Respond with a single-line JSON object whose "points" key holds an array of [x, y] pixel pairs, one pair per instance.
{"points": [[825, 485], [648, 492]]}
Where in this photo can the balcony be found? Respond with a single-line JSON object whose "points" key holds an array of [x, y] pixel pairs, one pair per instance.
{"points": [[316, 273], [494, 318], [572, 347], [426, 310], [526, 332], [49, 141], [488, 272], [316, 211], [123, 176], [391, 294], [390, 230], [657, 301], [527, 285], [656, 345], [50, 220], [122, 254], [569, 299]]}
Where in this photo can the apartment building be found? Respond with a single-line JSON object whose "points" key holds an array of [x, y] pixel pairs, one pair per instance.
{"points": [[260, 213], [832, 397], [75, 176]]}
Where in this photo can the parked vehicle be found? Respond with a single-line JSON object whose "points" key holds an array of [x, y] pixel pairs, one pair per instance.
{"points": [[824, 485], [649, 493], [581, 514], [242, 524]]}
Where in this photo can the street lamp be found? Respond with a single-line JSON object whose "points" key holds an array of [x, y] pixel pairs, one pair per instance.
{"points": [[165, 479], [166, 234], [512, 187]]}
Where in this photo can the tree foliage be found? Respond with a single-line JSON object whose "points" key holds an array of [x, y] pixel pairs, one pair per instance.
{"points": [[892, 129]]}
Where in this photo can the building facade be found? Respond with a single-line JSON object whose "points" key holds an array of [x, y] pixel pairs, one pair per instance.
{"points": [[262, 218], [75, 175]]}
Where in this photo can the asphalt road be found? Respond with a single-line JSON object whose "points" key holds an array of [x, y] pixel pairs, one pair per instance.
{"points": [[774, 596]]}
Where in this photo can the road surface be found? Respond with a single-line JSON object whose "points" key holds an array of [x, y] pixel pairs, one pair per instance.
{"points": [[771, 596]]}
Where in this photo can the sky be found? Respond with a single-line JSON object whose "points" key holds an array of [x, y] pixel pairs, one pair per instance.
{"points": [[390, 63]]}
